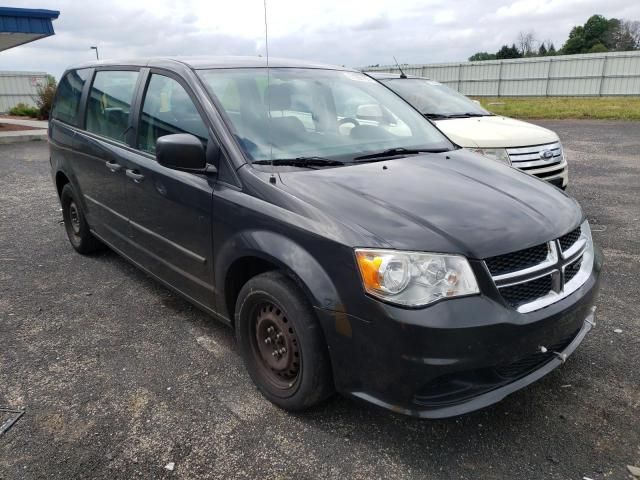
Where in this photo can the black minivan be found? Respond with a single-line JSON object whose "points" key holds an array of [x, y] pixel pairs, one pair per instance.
{"points": [[347, 241]]}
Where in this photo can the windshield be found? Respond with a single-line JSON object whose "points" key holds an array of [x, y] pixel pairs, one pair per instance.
{"points": [[302, 112], [434, 98]]}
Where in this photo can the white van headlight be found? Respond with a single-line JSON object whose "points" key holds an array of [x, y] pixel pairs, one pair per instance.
{"points": [[497, 154], [414, 278]]}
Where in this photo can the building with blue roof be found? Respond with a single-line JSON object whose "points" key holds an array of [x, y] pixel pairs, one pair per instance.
{"points": [[23, 25], [17, 27]]}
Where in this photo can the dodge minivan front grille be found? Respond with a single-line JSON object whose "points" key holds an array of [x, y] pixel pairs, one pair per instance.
{"points": [[519, 260], [567, 241], [572, 270], [535, 277], [521, 293]]}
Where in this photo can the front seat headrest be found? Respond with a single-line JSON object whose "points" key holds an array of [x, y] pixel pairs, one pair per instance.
{"points": [[278, 96]]}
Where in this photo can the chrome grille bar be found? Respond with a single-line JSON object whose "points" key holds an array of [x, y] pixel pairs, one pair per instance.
{"points": [[534, 161], [555, 266], [555, 146]]}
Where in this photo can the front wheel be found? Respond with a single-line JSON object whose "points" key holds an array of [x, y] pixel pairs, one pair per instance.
{"points": [[281, 342]]}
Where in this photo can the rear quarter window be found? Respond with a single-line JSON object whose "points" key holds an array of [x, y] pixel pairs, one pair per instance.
{"points": [[67, 104]]}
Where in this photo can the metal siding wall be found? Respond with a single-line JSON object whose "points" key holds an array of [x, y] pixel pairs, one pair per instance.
{"points": [[19, 87], [613, 73]]}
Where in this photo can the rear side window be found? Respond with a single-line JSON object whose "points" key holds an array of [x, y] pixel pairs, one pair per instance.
{"points": [[68, 97], [168, 109], [109, 103]]}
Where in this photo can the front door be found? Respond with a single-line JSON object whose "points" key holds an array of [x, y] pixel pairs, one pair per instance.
{"points": [[169, 210]]}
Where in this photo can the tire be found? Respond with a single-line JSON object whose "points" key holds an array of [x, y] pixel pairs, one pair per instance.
{"points": [[75, 223], [300, 377]]}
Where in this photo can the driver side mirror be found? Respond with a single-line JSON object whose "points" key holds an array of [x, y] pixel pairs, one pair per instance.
{"points": [[181, 151]]}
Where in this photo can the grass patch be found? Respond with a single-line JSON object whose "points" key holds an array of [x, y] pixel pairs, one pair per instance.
{"points": [[601, 108]]}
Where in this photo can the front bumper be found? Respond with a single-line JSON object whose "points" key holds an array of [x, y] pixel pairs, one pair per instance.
{"points": [[455, 356], [494, 392], [557, 175]]}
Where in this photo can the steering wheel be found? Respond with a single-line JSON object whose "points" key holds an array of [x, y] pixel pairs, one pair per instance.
{"points": [[345, 120]]}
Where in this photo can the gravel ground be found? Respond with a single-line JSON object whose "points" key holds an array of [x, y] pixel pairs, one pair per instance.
{"points": [[119, 377]]}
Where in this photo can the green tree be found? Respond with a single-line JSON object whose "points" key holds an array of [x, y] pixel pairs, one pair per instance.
{"points": [[508, 52], [600, 34], [598, 48], [479, 56], [611, 35], [542, 51], [552, 50], [575, 43], [597, 29]]}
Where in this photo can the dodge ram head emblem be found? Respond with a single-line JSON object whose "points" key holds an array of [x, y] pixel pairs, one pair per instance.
{"points": [[546, 154]]}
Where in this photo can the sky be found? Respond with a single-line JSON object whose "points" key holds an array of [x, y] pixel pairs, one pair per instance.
{"points": [[354, 33]]}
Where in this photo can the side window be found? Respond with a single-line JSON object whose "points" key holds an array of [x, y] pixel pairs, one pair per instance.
{"points": [[167, 109], [109, 103], [68, 96]]}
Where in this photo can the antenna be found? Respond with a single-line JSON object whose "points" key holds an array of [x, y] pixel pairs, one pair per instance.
{"points": [[266, 32], [402, 75], [272, 178]]}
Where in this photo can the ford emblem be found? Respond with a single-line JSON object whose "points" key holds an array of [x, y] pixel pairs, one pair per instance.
{"points": [[546, 154]]}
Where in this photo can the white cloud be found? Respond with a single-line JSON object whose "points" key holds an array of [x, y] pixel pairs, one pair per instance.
{"points": [[444, 17]]}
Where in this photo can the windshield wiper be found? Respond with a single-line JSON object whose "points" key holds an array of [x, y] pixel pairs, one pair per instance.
{"points": [[305, 162], [435, 116], [467, 115], [394, 152]]}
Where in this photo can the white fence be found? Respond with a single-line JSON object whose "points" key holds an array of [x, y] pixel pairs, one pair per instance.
{"points": [[593, 74], [19, 87]]}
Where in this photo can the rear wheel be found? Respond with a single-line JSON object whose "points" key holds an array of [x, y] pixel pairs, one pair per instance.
{"points": [[75, 223], [282, 343]]}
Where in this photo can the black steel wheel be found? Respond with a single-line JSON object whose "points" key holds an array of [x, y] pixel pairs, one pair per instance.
{"points": [[281, 342], [75, 223], [275, 346]]}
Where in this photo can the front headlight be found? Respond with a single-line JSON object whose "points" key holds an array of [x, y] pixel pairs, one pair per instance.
{"points": [[497, 154], [413, 278]]}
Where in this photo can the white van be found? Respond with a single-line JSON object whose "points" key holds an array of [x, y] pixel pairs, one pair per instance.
{"points": [[530, 148]]}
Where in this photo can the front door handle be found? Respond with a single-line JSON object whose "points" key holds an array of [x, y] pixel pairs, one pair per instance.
{"points": [[113, 166], [134, 175]]}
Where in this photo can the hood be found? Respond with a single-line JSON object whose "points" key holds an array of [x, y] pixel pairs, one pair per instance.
{"points": [[448, 203], [494, 132]]}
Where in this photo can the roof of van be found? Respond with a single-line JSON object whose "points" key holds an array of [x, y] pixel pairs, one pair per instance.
{"points": [[390, 75], [198, 63]]}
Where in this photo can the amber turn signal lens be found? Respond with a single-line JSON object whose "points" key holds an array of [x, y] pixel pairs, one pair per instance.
{"points": [[369, 269]]}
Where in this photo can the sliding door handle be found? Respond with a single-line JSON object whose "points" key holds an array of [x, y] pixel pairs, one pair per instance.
{"points": [[134, 175], [113, 166]]}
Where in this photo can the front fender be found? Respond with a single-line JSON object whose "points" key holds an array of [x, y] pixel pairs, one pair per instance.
{"points": [[287, 255]]}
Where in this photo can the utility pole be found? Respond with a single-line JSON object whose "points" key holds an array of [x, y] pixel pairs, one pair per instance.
{"points": [[96, 49]]}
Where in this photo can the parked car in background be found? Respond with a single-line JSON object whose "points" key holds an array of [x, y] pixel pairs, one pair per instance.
{"points": [[530, 148], [347, 241]]}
